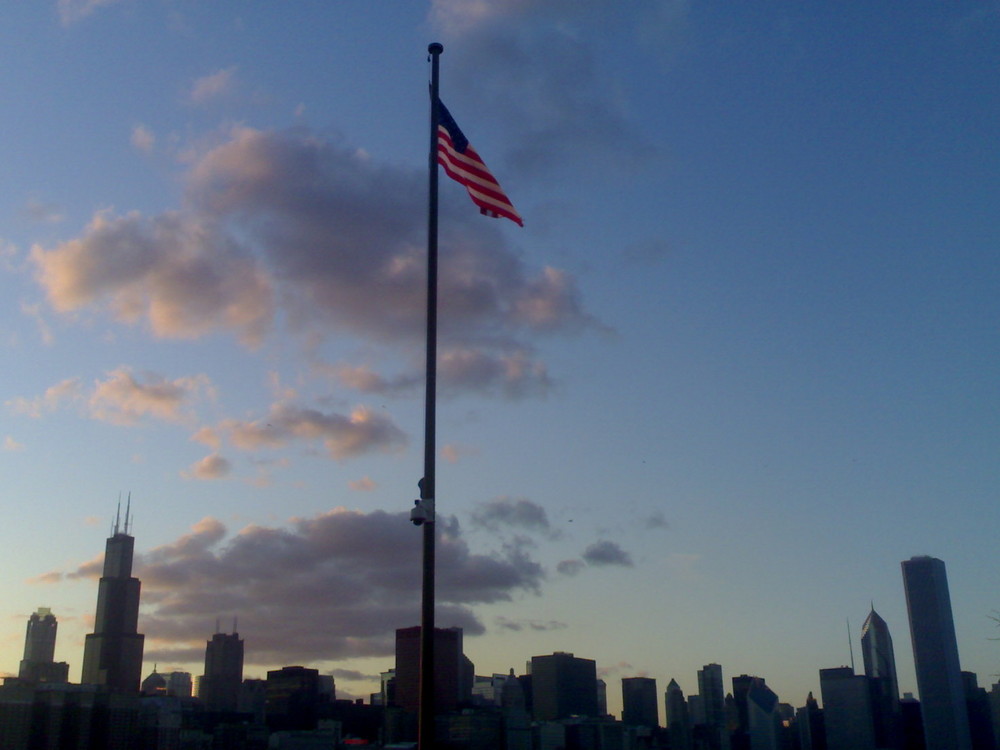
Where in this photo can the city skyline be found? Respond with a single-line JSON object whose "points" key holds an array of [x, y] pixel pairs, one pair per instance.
{"points": [[737, 365]]}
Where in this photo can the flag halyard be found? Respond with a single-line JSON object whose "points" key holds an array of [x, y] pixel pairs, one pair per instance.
{"points": [[463, 164]]}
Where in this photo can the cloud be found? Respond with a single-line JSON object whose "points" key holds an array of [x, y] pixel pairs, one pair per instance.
{"points": [[213, 86], [527, 64], [43, 213], [570, 567], [513, 375], [71, 11], [55, 396], [365, 484], [512, 512], [10, 444], [453, 452], [212, 466], [124, 399], [356, 573], [535, 625], [176, 272], [656, 521], [290, 221], [605, 553], [143, 139], [343, 436]]}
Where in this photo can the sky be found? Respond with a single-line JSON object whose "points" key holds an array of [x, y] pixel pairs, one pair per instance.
{"points": [[741, 361]]}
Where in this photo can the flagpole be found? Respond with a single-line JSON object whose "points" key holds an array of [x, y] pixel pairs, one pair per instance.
{"points": [[425, 726]]}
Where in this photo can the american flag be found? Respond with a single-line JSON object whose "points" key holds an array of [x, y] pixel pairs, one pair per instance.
{"points": [[463, 164]]}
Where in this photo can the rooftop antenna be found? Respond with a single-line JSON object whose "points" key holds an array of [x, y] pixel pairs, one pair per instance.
{"points": [[118, 515], [849, 644], [128, 507]]}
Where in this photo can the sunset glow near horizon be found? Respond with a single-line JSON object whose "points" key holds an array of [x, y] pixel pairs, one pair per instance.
{"points": [[740, 362]]}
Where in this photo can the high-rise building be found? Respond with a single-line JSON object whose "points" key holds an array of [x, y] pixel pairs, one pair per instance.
{"points": [[847, 710], [112, 654], [219, 687], [38, 664], [563, 685], [935, 654], [713, 699], [639, 702], [293, 699], [453, 672], [676, 715], [880, 669]]}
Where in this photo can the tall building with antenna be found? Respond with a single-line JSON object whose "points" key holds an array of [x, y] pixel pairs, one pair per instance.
{"points": [[219, 687], [112, 654], [880, 669]]}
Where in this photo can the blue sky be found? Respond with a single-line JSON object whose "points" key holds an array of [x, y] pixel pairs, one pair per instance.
{"points": [[740, 362]]}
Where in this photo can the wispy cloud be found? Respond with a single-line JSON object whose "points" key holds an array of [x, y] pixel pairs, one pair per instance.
{"points": [[10, 444], [512, 512], [216, 85], [71, 11], [143, 139], [124, 398], [212, 466], [54, 396]]}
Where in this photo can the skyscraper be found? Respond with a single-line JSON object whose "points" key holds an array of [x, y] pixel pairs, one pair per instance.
{"points": [[219, 687], [880, 669], [453, 672], [935, 654], [112, 654], [38, 664], [847, 710], [713, 697], [677, 719], [639, 703], [563, 685]]}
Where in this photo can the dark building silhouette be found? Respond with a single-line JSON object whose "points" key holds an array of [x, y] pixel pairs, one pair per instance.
{"points": [[563, 685], [935, 654], [911, 723], [639, 702], [112, 654], [38, 664], [292, 699], [219, 687], [880, 669], [713, 701], [676, 717], [453, 672], [847, 710], [811, 727], [977, 702]]}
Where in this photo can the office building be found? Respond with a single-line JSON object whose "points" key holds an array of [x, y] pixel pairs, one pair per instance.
{"points": [[38, 664], [293, 699], [453, 672], [676, 716], [112, 654], [563, 685], [639, 702], [935, 654], [847, 710], [880, 669], [219, 687], [713, 704]]}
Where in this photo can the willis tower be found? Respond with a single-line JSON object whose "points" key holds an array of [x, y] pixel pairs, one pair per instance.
{"points": [[112, 655]]}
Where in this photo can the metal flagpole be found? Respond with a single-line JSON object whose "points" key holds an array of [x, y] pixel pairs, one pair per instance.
{"points": [[424, 512]]}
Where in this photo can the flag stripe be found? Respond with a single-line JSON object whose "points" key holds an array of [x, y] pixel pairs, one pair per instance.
{"points": [[463, 164]]}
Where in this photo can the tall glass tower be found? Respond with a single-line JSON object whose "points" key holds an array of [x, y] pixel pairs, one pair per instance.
{"points": [[935, 655], [880, 669], [112, 654]]}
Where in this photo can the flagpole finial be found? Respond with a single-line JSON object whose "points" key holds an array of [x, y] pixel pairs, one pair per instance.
{"points": [[435, 48]]}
